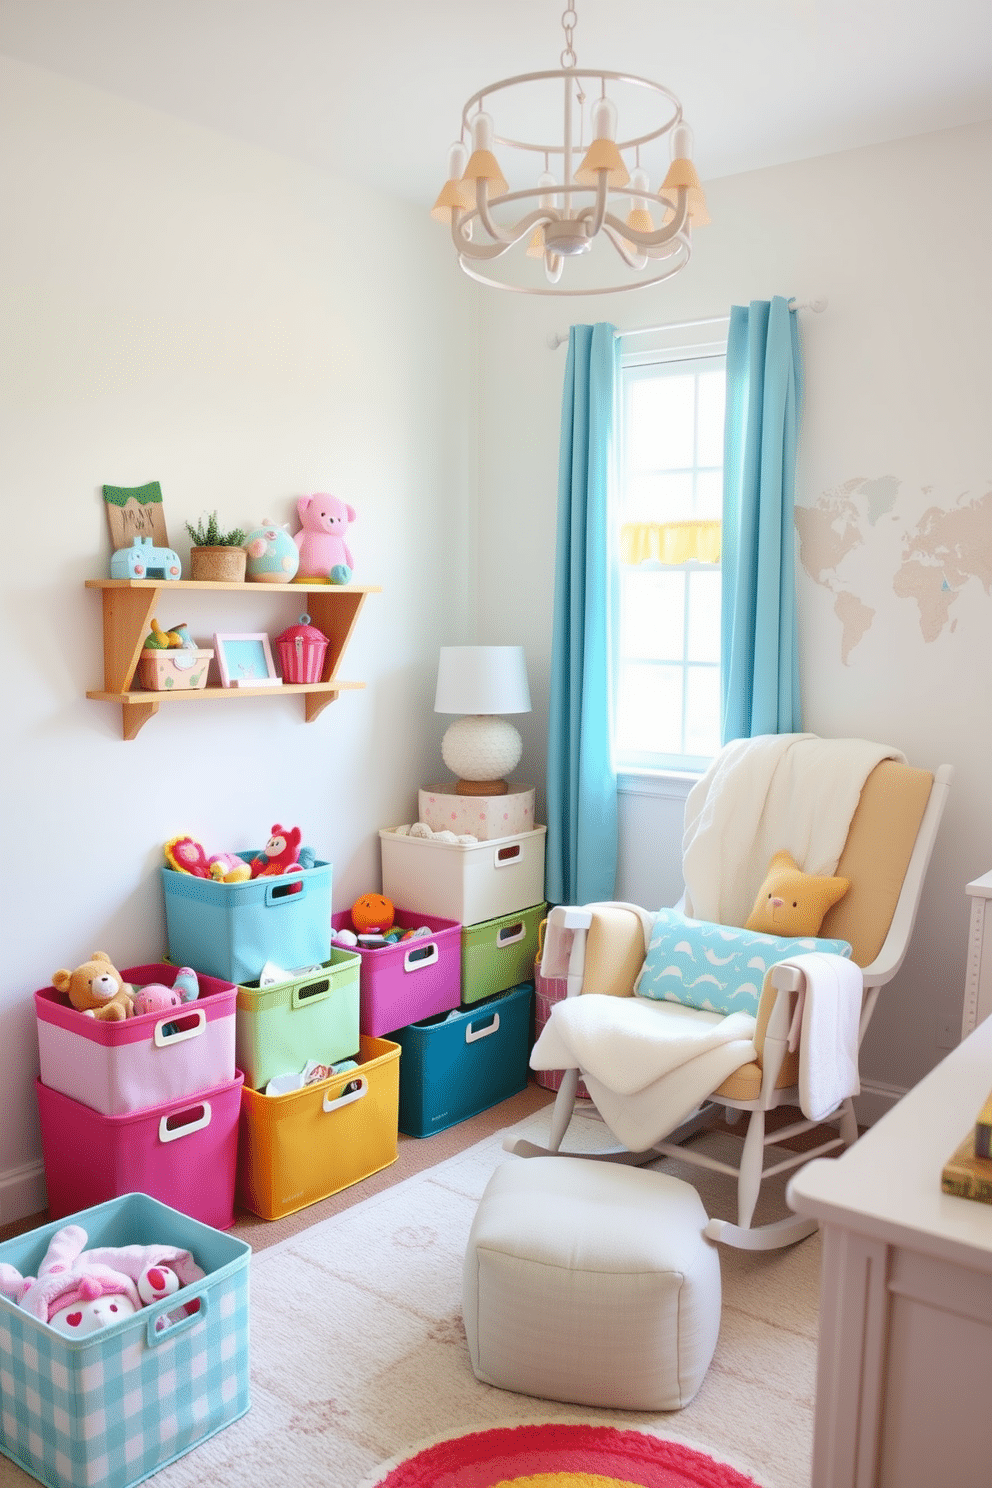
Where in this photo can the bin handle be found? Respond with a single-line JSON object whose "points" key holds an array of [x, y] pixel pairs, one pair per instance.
{"points": [[471, 1035], [178, 1027], [161, 1325], [308, 994], [509, 934], [504, 856], [167, 1133], [283, 892], [350, 1095], [421, 956]]}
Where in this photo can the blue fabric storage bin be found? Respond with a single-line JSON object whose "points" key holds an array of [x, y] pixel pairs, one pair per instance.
{"points": [[111, 1408], [457, 1064], [230, 930]]}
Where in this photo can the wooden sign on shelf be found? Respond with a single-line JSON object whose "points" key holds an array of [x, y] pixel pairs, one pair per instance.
{"points": [[136, 511]]}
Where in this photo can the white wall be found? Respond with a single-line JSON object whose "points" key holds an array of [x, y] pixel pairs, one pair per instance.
{"points": [[898, 383], [181, 308]]}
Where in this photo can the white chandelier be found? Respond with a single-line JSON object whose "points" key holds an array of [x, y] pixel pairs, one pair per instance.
{"points": [[591, 195]]}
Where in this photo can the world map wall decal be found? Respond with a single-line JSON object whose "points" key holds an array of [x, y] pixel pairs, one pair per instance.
{"points": [[869, 538]]}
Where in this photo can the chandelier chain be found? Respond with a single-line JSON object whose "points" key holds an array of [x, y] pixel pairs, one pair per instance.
{"points": [[569, 21]]}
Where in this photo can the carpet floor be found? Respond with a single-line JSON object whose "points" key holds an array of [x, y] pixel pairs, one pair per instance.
{"points": [[358, 1351]]}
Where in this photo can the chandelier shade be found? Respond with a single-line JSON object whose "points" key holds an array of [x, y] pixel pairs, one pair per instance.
{"points": [[514, 229]]}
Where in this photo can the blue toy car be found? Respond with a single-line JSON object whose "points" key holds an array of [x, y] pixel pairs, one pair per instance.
{"points": [[142, 560]]}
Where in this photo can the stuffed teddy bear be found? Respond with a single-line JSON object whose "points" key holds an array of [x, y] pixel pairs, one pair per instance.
{"points": [[78, 1291], [324, 554], [281, 853], [97, 989]]}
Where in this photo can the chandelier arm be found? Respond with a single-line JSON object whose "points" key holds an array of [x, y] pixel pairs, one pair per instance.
{"points": [[465, 246], [674, 267], [661, 235], [623, 246]]}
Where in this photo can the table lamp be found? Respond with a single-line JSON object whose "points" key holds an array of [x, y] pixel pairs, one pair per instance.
{"points": [[482, 682]]}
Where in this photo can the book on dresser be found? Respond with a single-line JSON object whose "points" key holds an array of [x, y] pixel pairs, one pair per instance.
{"points": [[968, 1171]]}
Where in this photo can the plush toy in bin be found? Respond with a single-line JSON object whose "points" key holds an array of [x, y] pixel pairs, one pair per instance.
{"points": [[281, 855], [97, 989], [79, 1291]]}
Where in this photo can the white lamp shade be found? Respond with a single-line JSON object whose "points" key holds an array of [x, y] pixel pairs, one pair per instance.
{"points": [[482, 679]]}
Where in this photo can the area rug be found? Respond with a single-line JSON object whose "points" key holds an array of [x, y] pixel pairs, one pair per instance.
{"points": [[560, 1455], [358, 1350]]}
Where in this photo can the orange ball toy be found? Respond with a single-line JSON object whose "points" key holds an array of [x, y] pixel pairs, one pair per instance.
{"points": [[372, 913]]}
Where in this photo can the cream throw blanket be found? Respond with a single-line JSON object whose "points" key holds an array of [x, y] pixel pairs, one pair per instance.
{"points": [[795, 792]]}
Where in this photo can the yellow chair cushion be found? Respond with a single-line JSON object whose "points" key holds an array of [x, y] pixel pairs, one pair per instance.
{"points": [[791, 902]]}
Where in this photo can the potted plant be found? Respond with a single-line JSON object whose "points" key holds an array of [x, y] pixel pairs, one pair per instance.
{"points": [[215, 556]]}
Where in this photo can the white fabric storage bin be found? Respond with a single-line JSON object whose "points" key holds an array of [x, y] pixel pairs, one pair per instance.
{"points": [[466, 882]]}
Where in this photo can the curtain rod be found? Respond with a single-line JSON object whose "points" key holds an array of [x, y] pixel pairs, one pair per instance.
{"points": [[556, 339]]}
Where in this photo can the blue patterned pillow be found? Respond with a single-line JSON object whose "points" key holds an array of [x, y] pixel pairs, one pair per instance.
{"points": [[716, 968]]}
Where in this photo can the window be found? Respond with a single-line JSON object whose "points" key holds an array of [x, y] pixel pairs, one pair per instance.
{"points": [[669, 507]]}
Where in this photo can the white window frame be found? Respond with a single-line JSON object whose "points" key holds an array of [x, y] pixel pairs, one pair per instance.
{"points": [[710, 351]]}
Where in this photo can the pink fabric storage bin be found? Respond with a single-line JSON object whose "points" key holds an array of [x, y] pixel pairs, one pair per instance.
{"points": [[548, 991], [414, 979], [120, 1067], [183, 1153]]}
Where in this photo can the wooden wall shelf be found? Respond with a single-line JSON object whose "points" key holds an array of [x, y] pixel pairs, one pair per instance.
{"points": [[128, 607]]}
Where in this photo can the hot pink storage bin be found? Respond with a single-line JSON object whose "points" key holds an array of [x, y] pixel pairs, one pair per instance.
{"points": [[414, 979], [120, 1067], [183, 1153], [301, 649]]}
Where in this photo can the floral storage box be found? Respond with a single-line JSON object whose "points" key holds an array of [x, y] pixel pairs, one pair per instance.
{"points": [[484, 817], [110, 1408], [178, 670]]}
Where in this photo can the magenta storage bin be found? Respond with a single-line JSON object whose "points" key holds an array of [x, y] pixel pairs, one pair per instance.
{"points": [[413, 979], [183, 1153], [139, 1062]]}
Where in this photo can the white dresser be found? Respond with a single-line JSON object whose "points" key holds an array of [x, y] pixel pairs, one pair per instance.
{"points": [[904, 1370]]}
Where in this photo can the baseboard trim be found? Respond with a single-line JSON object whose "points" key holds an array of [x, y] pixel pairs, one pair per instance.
{"points": [[22, 1192], [875, 1099]]}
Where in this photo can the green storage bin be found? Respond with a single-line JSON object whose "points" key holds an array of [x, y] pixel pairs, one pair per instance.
{"points": [[500, 953], [277, 1029]]}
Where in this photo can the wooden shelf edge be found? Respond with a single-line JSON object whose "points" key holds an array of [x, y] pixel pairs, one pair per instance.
{"points": [[138, 699], [245, 588]]}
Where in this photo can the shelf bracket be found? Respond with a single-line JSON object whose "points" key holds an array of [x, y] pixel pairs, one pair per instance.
{"points": [[316, 702], [134, 716]]}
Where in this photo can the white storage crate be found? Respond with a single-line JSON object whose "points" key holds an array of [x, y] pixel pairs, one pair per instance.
{"points": [[111, 1408], [464, 882]]}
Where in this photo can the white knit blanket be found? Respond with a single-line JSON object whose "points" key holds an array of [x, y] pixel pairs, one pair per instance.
{"points": [[795, 792]]}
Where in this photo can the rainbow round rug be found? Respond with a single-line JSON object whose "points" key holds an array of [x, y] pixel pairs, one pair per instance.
{"points": [[560, 1455]]}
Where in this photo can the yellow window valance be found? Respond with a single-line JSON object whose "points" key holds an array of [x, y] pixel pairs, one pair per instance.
{"points": [[670, 542]]}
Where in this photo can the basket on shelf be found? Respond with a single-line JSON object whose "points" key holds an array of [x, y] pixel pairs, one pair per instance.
{"points": [[302, 649]]}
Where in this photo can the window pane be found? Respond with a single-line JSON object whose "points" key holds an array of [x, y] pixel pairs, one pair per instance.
{"points": [[702, 708], [704, 615], [709, 494], [659, 497], [652, 614], [709, 442], [650, 711], [661, 422]]}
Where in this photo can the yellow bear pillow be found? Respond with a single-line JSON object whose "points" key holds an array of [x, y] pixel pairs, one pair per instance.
{"points": [[791, 902]]}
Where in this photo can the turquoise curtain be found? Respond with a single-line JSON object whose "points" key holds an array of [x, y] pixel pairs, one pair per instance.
{"points": [[760, 663], [581, 782]]}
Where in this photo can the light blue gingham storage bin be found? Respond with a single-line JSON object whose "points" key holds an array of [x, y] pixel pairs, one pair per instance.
{"points": [[109, 1409], [230, 930]]}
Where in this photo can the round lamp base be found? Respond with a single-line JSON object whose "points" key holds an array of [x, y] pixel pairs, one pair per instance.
{"points": [[482, 751]]}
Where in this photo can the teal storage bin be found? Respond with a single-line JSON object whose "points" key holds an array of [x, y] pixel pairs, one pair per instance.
{"points": [[277, 1029], [111, 1408], [497, 954], [457, 1064], [230, 930]]}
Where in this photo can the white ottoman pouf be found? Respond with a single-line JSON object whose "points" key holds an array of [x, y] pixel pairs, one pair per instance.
{"points": [[592, 1283]]}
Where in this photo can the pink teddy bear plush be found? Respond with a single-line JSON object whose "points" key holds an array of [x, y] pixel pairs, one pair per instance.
{"points": [[324, 554]]}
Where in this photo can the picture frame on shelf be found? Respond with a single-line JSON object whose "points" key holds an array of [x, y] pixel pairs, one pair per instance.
{"points": [[245, 660]]}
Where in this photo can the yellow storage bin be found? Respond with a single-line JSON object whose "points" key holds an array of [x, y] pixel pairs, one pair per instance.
{"points": [[298, 1148]]}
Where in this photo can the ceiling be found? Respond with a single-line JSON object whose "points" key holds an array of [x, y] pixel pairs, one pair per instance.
{"points": [[374, 90]]}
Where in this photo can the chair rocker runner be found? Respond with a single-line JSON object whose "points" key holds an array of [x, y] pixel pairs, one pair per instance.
{"points": [[602, 947]]}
